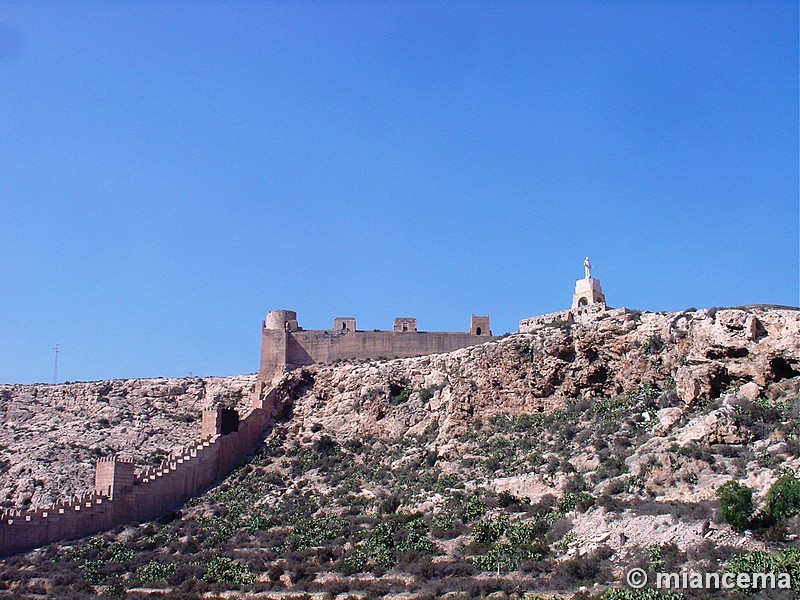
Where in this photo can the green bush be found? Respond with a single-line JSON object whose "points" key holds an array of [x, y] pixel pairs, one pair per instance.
{"points": [[785, 561], [572, 501], [315, 532], [472, 508], [527, 421], [356, 562], [521, 533], [783, 498], [656, 557], [222, 569], [609, 406], [499, 558], [90, 570], [445, 518], [487, 531], [378, 547], [154, 571], [417, 542], [219, 529], [736, 504], [564, 543]]}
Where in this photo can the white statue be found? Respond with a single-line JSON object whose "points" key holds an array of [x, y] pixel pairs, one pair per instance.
{"points": [[587, 267]]}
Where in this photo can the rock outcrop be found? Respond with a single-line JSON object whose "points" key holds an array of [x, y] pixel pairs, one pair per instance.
{"points": [[701, 353]]}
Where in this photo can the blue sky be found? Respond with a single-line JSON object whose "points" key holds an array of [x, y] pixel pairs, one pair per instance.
{"points": [[169, 171]]}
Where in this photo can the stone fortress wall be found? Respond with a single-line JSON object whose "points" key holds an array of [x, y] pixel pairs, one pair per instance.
{"points": [[286, 346], [122, 494]]}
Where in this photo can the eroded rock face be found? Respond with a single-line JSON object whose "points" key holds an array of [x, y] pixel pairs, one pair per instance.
{"points": [[52, 435], [717, 427], [702, 354]]}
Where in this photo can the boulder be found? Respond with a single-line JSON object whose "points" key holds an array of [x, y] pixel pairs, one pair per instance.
{"points": [[703, 381], [717, 427], [750, 391], [667, 417]]}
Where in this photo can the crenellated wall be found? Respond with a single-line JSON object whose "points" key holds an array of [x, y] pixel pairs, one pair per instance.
{"points": [[122, 495], [286, 346]]}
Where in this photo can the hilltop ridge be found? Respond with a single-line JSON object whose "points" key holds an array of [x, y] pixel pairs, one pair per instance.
{"points": [[598, 440], [699, 353]]}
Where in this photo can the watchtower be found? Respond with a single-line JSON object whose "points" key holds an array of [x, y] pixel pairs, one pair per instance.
{"points": [[219, 421], [281, 320], [344, 324], [405, 324], [479, 325], [113, 477]]}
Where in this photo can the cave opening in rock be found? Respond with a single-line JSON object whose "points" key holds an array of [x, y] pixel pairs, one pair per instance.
{"points": [[782, 369]]}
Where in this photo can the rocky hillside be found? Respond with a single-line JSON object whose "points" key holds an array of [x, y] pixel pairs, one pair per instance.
{"points": [[549, 461], [51, 435], [701, 355]]}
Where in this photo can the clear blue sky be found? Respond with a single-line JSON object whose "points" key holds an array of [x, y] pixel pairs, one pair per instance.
{"points": [[169, 171]]}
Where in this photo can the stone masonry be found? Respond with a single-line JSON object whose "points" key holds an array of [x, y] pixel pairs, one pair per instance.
{"points": [[286, 346], [122, 495]]}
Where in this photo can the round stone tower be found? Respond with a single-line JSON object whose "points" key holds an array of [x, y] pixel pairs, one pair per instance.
{"points": [[282, 320]]}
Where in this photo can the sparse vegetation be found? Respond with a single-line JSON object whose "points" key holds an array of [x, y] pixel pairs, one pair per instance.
{"points": [[154, 572], [785, 561], [447, 487], [653, 344]]}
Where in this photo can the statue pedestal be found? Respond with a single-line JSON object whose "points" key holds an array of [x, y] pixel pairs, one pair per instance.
{"points": [[587, 291]]}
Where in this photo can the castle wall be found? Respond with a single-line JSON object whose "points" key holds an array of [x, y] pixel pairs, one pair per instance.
{"points": [[284, 346], [122, 496], [322, 346], [307, 347], [80, 517], [273, 356]]}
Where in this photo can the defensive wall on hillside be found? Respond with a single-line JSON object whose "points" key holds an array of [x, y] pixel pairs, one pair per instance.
{"points": [[286, 346], [123, 495]]}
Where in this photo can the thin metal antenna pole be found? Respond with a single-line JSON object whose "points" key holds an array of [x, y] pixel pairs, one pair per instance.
{"points": [[55, 364]]}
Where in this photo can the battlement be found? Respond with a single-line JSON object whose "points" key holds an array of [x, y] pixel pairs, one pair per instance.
{"points": [[122, 494], [286, 346]]}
